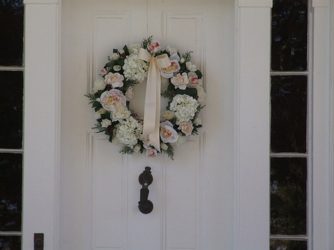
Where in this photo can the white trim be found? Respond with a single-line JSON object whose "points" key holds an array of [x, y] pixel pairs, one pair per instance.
{"points": [[331, 132], [321, 126], [41, 123], [41, 1], [253, 27], [255, 3]]}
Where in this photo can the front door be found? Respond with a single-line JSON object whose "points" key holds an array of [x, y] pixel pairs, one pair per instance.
{"points": [[192, 194]]}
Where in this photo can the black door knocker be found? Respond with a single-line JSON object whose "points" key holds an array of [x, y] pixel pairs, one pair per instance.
{"points": [[145, 179]]}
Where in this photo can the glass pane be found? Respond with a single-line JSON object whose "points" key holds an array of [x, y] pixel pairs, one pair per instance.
{"points": [[10, 192], [10, 242], [288, 113], [289, 35], [288, 178], [11, 99], [288, 245], [11, 32]]}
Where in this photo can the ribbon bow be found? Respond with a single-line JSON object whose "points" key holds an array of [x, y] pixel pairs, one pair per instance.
{"points": [[152, 98]]}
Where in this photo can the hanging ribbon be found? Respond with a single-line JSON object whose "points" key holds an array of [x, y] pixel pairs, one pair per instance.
{"points": [[152, 98]]}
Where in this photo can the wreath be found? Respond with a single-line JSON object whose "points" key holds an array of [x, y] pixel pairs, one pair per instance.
{"points": [[154, 133]]}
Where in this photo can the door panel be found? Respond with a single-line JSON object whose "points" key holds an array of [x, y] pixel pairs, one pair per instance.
{"points": [[193, 194]]}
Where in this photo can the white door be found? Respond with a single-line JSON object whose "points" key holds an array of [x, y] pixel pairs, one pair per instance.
{"points": [[193, 195]]}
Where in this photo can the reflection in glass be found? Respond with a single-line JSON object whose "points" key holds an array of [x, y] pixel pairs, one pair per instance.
{"points": [[288, 245], [289, 35], [11, 32], [10, 242], [11, 101], [288, 178], [10, 192], [288, 113]]}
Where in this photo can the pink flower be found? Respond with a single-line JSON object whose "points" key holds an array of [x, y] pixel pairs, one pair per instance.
{"points": [[116, 80], [154, 47], [167, 133], [186, 127], [193, 80], [180, 81], [168, 72], [112, 99], [150, 152]]}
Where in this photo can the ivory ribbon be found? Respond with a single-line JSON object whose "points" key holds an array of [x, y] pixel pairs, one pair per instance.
{"points": [[152, 98]]}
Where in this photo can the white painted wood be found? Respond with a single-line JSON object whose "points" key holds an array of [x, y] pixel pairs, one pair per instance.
{"points": [[192, 195], [41, 126], [321, 124], [252, 127], [331, 126]]}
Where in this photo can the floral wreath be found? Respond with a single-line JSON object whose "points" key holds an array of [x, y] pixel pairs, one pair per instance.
{"points": [[155, 133]]}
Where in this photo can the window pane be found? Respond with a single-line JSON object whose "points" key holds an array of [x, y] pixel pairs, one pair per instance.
{"points": [[10, 242], [11, 32], [289, 35], [288, 113], [10, 192], [11, 99], [288, 178], [288, 245]]}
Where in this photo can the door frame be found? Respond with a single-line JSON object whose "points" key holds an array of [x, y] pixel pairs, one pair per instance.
{"points": [[41, 143]]}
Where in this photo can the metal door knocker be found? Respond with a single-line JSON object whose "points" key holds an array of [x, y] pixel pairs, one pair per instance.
{"points": [[145, 179]]}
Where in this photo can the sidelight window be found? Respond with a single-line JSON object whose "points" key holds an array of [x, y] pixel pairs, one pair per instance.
{"points": [[290, 168], [11, 124]]}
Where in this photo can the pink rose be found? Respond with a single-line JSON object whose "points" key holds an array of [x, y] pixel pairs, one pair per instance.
{"points": [[193, 80], [186, 127], [150, 152], [167, 133], [112, 99], [116, 80], [180, 81]]}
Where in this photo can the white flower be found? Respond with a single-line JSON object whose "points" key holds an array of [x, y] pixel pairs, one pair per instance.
{"points": [[163, 146], [115, 79], [134, 49], [181, 139], [114, 56], [98, 113], [134, 68], [127, 131], [105, 123], [180, 81], [120, 113], [198, 121], [167, 133], [193, 80], [112, 99], [168, 72], [186, 127], [182, 60], [201, 94], [99, 84], [167, 115], [190, 66], [121, 51], [117, 68], [171, 50], [137, 148], [129, 94], [184, 107], [150, 152]]}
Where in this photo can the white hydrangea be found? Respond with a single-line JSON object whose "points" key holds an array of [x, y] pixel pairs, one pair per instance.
{"points": [[184, 107], [120, 113], [134, 68], [127, 131]]}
